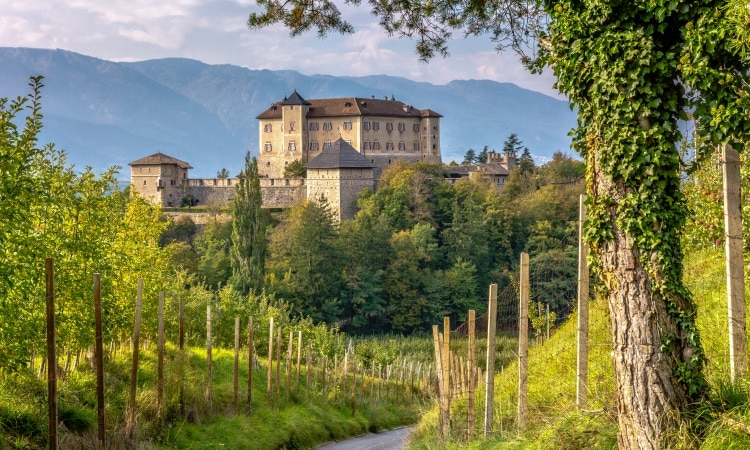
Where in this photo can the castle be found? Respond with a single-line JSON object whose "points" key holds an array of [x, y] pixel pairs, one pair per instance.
{"points": [[383, 131], [345, 144]]}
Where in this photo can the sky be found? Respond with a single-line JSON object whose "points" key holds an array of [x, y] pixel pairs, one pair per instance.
{"points": [[215, 32]]}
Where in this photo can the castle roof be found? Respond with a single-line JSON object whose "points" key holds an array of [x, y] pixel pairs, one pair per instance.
{"points": [[349, 106], [340, 155], [295, 99], [160, 159]]}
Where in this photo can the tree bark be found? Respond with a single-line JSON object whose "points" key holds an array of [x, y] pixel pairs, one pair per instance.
{"points": [[648, 344]]}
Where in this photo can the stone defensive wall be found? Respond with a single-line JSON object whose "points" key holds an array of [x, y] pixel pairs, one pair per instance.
{"points": [[276, 192]]}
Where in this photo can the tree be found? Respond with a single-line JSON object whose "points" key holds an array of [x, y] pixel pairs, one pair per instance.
{"points": [[632, 70], [304, 265], [512, 146], [223, 173], [249, 243], [469, 158], [482, 156], [295, 169]]}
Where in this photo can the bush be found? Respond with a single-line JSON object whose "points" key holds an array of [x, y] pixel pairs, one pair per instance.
{"points": [[77, 420]]}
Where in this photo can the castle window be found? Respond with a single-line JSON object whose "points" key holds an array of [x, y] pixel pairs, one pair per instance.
{"points": [[375, 126], [366, 125], [292, 146], [402, 146], [144, 182], [291, 125], [172, 182], [434, 127], [314, 146], [313, 126], [402, 127], [326, 145], [268, 146], [267, 128], [347, 125], [416, 128], [416, 146], [388, 146], [327, 126], [376, 145], [366, 145], [389, 126]]}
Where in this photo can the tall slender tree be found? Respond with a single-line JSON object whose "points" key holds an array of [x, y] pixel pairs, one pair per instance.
{"points": [[249, 244], [632, 69]]}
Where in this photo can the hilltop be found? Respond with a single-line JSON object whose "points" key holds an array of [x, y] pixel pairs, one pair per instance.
{"points": [[106, 113]]}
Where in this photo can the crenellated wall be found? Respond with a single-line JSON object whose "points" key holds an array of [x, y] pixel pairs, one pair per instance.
{"points": [[276, 192]]}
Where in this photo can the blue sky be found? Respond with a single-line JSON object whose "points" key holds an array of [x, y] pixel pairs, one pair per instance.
{"points": [[215, 32]]}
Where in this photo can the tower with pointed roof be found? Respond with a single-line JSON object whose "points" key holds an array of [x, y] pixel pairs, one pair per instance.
{"points": [[382, 130], [339, 173]]}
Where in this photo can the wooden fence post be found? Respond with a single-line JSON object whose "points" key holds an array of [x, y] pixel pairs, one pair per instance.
{"points": [[735, 277], [49, 268], [470, 377], [130, 422], [209, 358], [183, 362], [438, 345], [99, 357], [446, 388], [270, 362], [160, 356], [523, 342], [299, 356], [250, 355], [489, 389], [277, 380], [236, 393], [290, 346], [583, 310]]}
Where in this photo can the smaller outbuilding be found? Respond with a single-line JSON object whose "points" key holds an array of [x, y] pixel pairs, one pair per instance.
{"points": [[339, 173]]}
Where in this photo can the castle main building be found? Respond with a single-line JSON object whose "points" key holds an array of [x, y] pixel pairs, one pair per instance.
{"points": [[383, 131]]}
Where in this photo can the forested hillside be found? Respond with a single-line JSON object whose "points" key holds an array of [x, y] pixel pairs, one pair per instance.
{"points": [[419, 249]]}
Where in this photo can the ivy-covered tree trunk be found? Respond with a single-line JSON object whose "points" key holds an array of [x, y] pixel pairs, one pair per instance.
{"points": [[621, 74], [657, 364]]}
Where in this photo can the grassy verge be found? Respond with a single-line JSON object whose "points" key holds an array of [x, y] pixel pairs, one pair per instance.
{"points": [[553, 421], [299, 419]]}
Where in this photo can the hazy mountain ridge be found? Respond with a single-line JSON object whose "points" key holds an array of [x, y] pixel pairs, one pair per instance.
{"points": [[105, 113]]}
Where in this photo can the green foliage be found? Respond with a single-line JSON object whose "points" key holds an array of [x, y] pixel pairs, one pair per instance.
{"points": [[303, 265], [82, 221], [181, 229], [249, 223], [295, 169], [469, 158], [212, 246]]}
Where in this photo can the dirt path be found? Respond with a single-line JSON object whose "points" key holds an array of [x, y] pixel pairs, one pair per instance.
{"points": [[387, 440]]}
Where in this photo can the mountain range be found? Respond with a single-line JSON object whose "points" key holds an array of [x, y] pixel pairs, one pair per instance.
{"points": [[105, 113]]}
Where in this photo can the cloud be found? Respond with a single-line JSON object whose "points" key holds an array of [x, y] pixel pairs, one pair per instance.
{"points": [[215, 32]]}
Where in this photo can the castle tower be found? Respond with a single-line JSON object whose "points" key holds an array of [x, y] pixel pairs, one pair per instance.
{"points": [[286, 140], [339, 173], [159, 179]]}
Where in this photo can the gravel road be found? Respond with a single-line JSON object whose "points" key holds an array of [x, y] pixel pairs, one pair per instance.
{"points": [[387, 440]]}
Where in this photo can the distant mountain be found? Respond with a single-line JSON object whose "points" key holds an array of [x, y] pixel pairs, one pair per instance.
{"points": [[105, 113]]}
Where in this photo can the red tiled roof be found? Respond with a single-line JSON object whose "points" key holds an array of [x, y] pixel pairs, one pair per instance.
{"points": [[352, 106]]}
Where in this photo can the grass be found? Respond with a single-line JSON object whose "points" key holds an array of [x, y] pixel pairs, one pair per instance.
{"points": [[298, 420], [554, 421]]}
